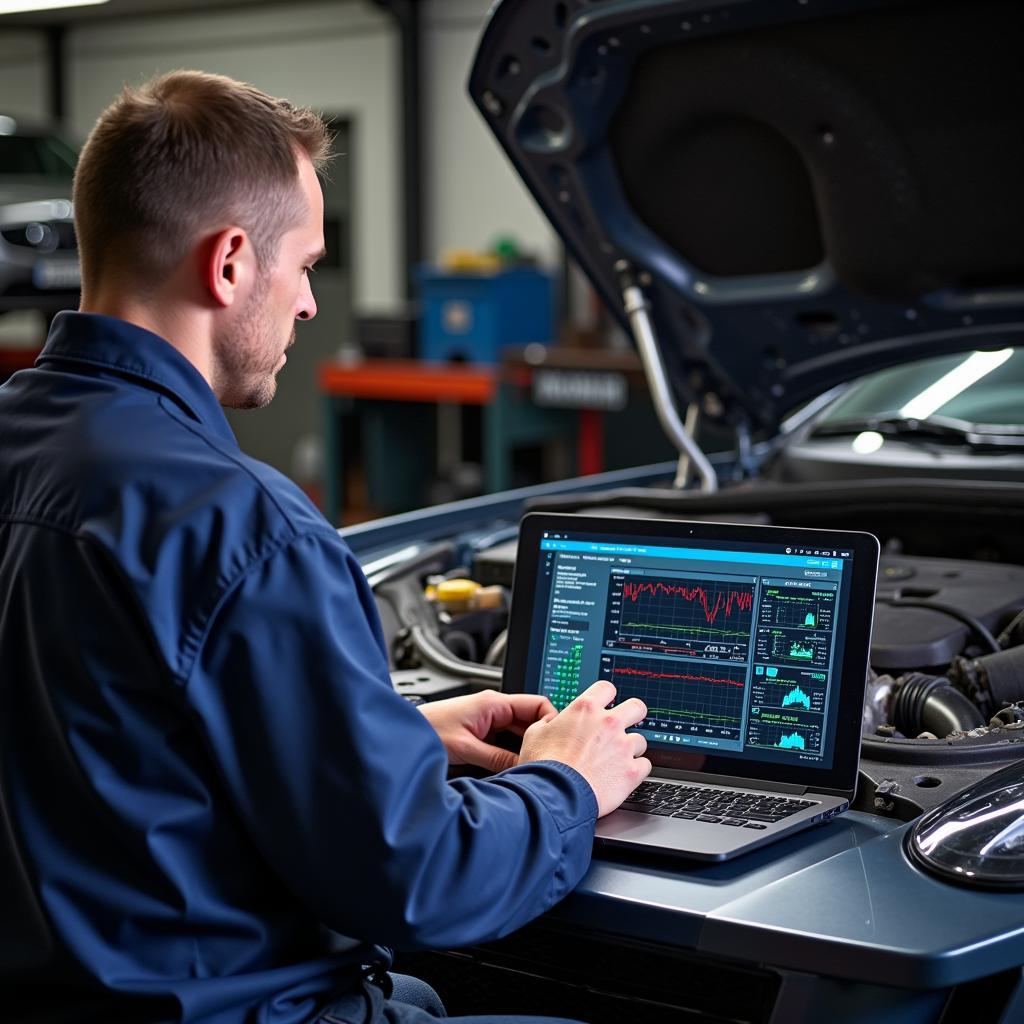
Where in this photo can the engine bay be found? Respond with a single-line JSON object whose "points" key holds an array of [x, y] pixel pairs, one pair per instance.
{"points": [[944, 704]]}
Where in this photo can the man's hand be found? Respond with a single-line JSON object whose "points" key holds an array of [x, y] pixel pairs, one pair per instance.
{"points": [[466, 724], [592, 738]]}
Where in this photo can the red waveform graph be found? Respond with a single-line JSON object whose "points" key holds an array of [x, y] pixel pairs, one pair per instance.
{"points": [[677, 675], [725, 602]]}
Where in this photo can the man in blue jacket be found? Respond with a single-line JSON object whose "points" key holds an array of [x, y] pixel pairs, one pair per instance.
{"points": [[213, 806]]}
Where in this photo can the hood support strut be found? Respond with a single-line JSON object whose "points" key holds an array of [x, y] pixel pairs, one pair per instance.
{"points": [[680, 434]]}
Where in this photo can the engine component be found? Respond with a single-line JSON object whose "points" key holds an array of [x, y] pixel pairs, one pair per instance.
{"points": [[474, 632], [417, 644], [980, 631], [1013, 634], [461, 644], [1011, 715], [919, 706], [923, 703], [885, 792], [496, 564], [917, 631], [496, 652], [877, 703], [890, 801], [991, 681], [454, 595]]}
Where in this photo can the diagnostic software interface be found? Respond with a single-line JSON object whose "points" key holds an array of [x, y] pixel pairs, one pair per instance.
{"points": [[735, 648]]}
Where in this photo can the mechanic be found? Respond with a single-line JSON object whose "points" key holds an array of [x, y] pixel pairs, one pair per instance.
{"points": [[213, 805]]}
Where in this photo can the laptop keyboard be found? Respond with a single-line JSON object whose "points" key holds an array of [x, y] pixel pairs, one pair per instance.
{"points": [[718, 806]]}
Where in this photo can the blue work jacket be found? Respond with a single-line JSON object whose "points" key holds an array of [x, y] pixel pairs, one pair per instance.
{"points": [[213, 805]]}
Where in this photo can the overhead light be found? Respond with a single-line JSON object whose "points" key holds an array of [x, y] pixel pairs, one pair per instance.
{"points": [[21, 6], [958, 380]]}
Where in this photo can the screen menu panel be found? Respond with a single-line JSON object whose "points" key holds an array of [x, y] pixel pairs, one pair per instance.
{"points": [[733, 649]]}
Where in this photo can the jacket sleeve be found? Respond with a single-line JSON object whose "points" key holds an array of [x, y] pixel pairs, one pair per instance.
{"points": [[343, 785]]}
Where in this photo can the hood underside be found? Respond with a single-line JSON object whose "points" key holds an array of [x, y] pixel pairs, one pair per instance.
{"points": [[806, 190]]}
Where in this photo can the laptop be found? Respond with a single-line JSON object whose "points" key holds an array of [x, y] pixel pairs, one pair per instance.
{"points": [[748, 644]]}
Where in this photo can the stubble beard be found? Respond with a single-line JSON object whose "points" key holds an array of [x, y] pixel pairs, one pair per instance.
{"points": [[246, 357]]}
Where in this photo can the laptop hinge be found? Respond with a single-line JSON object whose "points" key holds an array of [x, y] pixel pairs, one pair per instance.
{"points": [[731, 780]]}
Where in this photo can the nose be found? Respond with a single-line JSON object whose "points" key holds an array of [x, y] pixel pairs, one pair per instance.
{"points": [[306, 308]]}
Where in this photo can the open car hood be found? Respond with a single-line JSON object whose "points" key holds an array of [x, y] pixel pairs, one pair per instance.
{"points": [[804, 190]]}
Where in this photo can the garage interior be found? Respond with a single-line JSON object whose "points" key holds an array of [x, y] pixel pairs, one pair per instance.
{"points": [[572, 269]]}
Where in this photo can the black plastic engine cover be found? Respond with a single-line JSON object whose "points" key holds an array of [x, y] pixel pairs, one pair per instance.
{"points": [[921, 638]]}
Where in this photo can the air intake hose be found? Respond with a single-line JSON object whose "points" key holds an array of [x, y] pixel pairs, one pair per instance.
{"points": [[992, 681], [926, 703]]}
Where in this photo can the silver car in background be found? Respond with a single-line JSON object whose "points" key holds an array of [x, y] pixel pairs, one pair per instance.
{"points": [[38, 253]]}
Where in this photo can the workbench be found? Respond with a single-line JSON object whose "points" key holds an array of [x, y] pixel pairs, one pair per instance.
{"points": [[14, 359], [409, 426]]}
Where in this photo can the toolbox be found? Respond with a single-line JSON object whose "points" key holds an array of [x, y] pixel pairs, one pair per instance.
{"points": [[471, 317]]}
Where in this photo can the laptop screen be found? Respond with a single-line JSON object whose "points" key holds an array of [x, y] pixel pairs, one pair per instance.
{"points": [[736, 645]]}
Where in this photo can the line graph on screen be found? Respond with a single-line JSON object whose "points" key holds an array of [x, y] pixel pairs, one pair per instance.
{"points": [[686, 615]]}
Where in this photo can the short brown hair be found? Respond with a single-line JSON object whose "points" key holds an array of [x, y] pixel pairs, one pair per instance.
{"points": [[181, 154]]}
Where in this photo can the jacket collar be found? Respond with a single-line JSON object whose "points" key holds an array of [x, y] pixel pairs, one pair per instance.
{"points": [[104, 342]]}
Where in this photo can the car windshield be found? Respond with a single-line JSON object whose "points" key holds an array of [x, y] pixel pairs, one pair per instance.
{"points": [[36, 156], [977, 388]]}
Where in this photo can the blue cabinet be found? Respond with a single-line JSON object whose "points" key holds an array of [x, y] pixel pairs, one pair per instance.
{"points": [[472, 317]]}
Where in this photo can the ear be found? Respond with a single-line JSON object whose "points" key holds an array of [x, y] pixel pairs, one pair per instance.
{"points": [[228, 264]]}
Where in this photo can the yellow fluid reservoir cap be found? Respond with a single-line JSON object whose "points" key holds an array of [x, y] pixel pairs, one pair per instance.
{"points": [[456, 593]]}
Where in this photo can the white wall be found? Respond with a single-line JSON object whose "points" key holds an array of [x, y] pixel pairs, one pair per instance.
{"points": [[471, 193], [339, 57], [23, 75]]}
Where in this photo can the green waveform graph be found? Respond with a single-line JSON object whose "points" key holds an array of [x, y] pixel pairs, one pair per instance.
{"points": [[694, 714], [805, 648], [790, 610], [710, 630]]}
